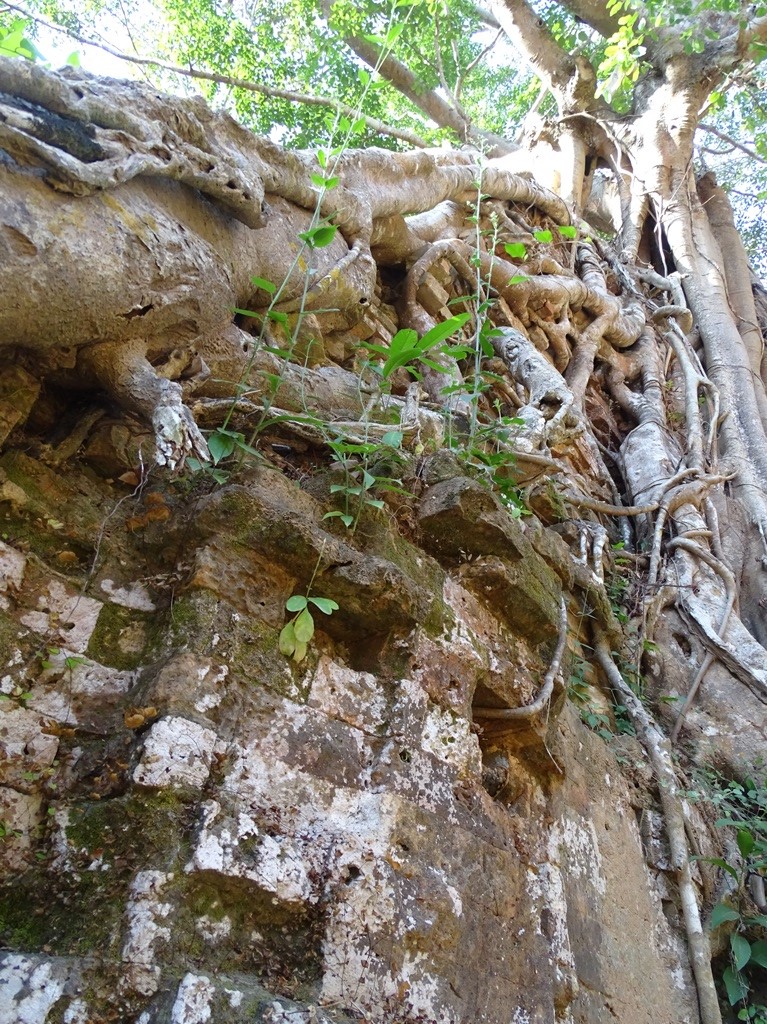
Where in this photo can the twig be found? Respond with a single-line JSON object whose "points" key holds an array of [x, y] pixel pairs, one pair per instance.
{"points": [[732, 142]]}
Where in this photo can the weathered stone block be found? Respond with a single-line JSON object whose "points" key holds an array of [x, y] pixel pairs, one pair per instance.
{"points": [[525, 594], [460, 517]]}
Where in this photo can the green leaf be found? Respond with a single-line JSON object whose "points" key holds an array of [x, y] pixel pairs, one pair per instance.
{"points": [[277, 316], [741, 950], [722, 913], [394, 33], [393, 438], [402, 340], [73, 60], [393, 363], [518, 279], [346, 519], [568, 231], [296, 603], [264, 285], [757, 919], [759, 952], [300, 652], [433, 365], [735, 984], [325, 605], [287, 641], [543, 236], [304, 626], [516, 250], [363, 77], [319, 237], [720, 863], [745, 842], [443, 330], [327, 183], [13, 39], [220, 446]]}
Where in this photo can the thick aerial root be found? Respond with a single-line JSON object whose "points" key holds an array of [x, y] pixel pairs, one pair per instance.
{"points": [[417, 425], [546, 386], [691, 494], [125, 134], [659, 753], [685, 544]]}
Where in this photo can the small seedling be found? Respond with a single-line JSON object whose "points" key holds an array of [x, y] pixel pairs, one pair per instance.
{"points": [[297, 633]]}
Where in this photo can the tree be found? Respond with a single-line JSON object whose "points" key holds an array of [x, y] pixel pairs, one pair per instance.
{"points": [[614, 329]]}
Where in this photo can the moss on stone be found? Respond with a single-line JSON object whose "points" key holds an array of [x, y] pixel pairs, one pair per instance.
{"points": [[120, 637], [148, 823], [190, 622], [79, 909], [248, 931]]}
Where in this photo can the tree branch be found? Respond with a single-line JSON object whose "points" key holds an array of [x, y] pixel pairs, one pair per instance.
{"points": [[571, 78], [594, 13], [731, 142], [240, 83], [486, 17], [427, 100]]}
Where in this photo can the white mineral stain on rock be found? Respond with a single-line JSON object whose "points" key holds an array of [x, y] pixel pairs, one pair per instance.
{"points": [[143, 911], [584, 860], [28, 989], [20, 813], [83, 690], [192, 1005], [77, 1013], [272, 863], [547, 892], [450, 739], [455, 899], [353, 697], [211, 930], [177, 752], [24, 747], [69, 616], [135, 596], [12, 566], [211, 676]]}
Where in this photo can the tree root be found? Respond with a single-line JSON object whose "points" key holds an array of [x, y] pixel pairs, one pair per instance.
{"points": [[686, 544], [692, 494], [544, 694], [659, 753]]}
